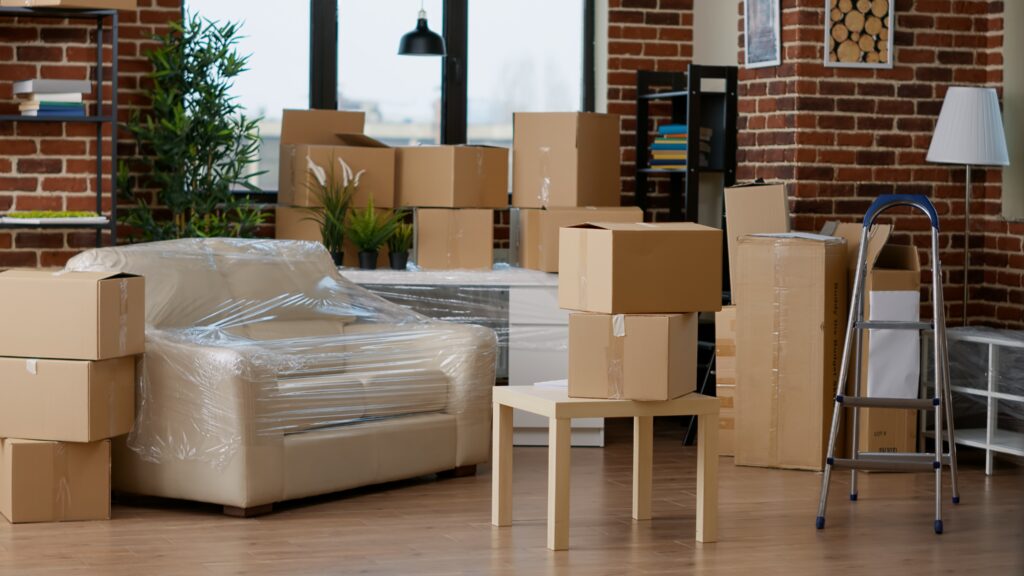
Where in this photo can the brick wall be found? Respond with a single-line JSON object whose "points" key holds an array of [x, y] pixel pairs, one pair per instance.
{"points": [[841, 137], [644, 35], [51, 166]]}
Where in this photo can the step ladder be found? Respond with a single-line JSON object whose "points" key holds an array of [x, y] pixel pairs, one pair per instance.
{"points": [[941, 405]]}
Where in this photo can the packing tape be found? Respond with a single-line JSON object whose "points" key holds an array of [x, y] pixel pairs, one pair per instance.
{"points": [[616, 360], [453, 237], [778, 291], [544, 192], [619, 325], [31, 366], [581, 286], [61, 483], [122, 332]]}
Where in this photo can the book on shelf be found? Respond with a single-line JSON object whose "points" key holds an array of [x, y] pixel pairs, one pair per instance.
{"points": [[45, 105], [46, 86], [671, 140], [669, 167], [41, 113], [674, 129], [659, 162], [668, 156], [676, 146], [68, 97]]}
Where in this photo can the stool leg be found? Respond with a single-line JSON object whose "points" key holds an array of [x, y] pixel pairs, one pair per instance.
{"points": [[643, 453], [559, 436], [501, 481], [707, 477]]}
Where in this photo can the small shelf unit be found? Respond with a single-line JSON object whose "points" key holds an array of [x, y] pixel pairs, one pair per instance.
{"points": [[105, 114]]}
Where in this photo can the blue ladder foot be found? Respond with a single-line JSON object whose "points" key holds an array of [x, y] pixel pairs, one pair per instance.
{"points": [[819, 522], [853, 497], [956, 499], [938, 526]]}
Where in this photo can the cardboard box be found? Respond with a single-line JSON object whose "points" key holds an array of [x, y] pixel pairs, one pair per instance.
{"points": [[94, 4], [451, 176], [72, 315], [299, 187], [725, 378], [459, 238], [538, 230], [66, 400], [890, 365], [749, 210], [54, 481], [565, 159], [636, 357], [789, 335], [293, 223], [640, 268]]}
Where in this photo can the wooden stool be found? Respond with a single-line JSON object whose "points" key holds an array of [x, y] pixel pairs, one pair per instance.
{"points": [[560, 409]]}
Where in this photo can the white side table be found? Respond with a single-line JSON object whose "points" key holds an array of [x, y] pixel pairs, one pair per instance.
{"points": [[560, 410]]}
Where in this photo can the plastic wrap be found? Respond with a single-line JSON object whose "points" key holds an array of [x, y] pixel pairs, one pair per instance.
{"points": [[252, 341]]}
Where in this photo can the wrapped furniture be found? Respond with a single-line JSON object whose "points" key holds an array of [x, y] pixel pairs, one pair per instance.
{"points": [[269, 377]]}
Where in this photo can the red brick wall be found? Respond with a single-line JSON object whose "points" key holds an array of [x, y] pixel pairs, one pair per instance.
{"points": [[52, 166], [644, 35], [841, 137]]}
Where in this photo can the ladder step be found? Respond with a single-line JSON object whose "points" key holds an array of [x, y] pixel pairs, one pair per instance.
{"points": [[912, 456], [904, 403], [892, 325], [889, 465]]}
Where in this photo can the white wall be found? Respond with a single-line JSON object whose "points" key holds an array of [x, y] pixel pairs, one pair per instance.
{"points": [[715, 43], [1013, 109]]}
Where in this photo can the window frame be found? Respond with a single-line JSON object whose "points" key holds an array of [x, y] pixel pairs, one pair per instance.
{"points": [[323, 63]]}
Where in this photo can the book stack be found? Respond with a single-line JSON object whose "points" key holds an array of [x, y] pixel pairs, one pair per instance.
{"points": [[670, 150], [52, 97]]}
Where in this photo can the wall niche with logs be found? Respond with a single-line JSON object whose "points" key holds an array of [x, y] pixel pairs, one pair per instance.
{"points": [[858, 33]]}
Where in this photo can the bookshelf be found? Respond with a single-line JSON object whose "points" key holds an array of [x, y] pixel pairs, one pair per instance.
{"points": [[105, 112]]}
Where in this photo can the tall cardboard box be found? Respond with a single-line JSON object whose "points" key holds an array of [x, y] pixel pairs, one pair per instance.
{"points": [[565, 159], [725, 378], [293, 223], [615, 268], [890, 365], [789, 336], [632, 356], [299, 187], [753, 209], [459, 238], [54, 481], [72, 315], [451, 176], [66, 400], [538, 230]]}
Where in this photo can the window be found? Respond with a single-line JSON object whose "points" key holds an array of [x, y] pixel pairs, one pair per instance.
{"points": [[401, 95], [523, 57], [278, 75]]}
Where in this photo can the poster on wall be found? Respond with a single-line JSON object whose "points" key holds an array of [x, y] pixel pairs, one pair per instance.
{"points": [[761, 37], [858, 33]]}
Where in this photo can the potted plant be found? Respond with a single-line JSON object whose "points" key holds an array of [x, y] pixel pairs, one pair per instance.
{"points": [[335, 199], [369, 230], [399, 244]]}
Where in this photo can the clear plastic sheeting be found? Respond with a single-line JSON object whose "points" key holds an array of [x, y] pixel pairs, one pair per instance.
{"points": [[976, 357], [252, 341]]}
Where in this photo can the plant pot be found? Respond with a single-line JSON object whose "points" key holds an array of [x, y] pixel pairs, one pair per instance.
{"points": [[399, 260], [368, 259], [338, 257]]}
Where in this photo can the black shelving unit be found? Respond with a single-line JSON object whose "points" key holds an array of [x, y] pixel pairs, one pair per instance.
{"points": [[104, 114], [696, 107]]}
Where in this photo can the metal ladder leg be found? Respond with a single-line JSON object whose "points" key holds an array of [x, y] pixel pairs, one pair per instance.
{"points": [[938, 316], [942, 348], [858, 356]]}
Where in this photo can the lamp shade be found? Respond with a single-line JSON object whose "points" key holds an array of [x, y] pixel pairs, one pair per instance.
{"points": [[422, 41], [970, 129]]}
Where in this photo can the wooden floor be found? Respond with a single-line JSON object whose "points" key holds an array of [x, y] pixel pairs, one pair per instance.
{"points": [[443, 527]]}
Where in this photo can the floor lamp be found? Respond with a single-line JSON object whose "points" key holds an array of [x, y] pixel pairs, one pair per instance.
{"points": [[969, 132]]}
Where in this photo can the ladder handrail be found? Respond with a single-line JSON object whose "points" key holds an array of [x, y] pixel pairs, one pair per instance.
{"points": [[886, 201]]}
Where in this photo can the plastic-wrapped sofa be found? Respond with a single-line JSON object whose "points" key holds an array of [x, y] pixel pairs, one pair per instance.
{"points": [[269, 377]]}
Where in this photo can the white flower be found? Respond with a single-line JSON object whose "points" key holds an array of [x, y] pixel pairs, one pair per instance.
{"points": [[346, 173], [317, 171], [358, 175]]}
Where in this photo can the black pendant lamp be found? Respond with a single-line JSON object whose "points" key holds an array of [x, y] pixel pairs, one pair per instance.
{"points": [[421, 41]]}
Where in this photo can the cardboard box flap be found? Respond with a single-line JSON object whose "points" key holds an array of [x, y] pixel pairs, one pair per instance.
{"points": [[66, 276], [851, 232], [319, 126], [644, 226], [755, 208], [358, 141], [791, 236], [896, 257]]}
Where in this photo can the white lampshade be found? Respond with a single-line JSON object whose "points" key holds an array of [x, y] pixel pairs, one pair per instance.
{"points": [[970, 129]]}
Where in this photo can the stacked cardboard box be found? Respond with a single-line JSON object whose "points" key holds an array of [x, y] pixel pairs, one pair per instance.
{"points": [[635, 290], [67, 385], [566, 172], [454, 191], [324, 137], [725, 378]]}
